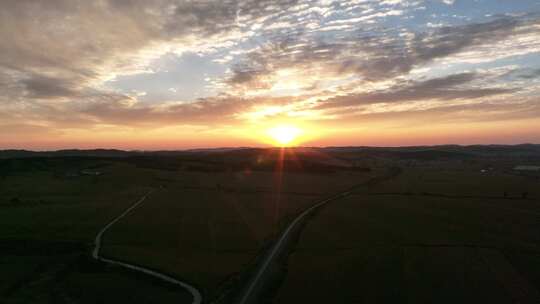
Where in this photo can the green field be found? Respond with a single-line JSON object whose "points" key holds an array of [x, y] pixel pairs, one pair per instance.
{"points": [[427, 231], [422, 238], [49, 221], [61, 272], [208, 234], [205, 228]]}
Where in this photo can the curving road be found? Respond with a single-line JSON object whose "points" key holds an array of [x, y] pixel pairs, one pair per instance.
{"points": [[197, 298], [275, 250], [249, 294]]}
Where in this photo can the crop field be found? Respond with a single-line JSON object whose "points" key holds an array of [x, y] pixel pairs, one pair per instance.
{"points": [[50, 205], [49, 221], [61, 272], [427, 236], [419, 231], [202, 227], [464, 182], [207, 229]]}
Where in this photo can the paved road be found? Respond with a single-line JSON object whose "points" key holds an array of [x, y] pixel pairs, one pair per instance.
{"points": [[248, 293], [197, 298], [274, 251]]}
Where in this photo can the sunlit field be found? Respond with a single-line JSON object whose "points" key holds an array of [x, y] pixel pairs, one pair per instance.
{"points": [[430, 235], [209, 228], [418, 225], [263, 151], [49, 221], [206, 228]]}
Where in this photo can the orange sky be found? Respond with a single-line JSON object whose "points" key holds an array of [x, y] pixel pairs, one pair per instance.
{"points": [[176, 74], [484, 133]]}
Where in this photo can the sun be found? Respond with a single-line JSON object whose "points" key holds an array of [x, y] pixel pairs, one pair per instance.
{"points": [[284, 135]]}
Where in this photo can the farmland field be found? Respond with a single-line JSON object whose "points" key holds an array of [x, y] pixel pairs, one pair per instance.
{"points": [[204, 228], [422, 238], [435, 229], [209, 234], [49, 221]]}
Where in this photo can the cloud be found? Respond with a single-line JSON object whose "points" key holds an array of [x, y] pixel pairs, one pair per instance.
{"points": [[530, 74], [86, 51], [214, 111], [61, 51], [56, 57], [392, 57], [223, 110], [484, 111], [214, 17], [89, 41], [38, 86], [446, 88], [376, 54]]}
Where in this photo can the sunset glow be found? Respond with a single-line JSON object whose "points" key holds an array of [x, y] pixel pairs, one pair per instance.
{"points": [[239, 151], [284, 135], [175, 74]]}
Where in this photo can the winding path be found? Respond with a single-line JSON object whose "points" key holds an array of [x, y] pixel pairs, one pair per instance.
{"points": [[197, 298], [248, 295], [275, 250]]}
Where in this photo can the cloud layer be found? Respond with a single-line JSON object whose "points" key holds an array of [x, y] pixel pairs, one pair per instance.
{"points": [[317, 61]]}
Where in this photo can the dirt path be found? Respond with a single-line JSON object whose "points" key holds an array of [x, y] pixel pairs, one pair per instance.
{"points": [[197, 298]]}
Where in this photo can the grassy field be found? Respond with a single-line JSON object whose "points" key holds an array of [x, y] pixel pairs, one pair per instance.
{"points": [[49, 221], [203, 227], [61, 272], [461, 182], [209, 234], [428, 236], [438, 232]]}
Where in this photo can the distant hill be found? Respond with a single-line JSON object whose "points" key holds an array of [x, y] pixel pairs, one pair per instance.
{"points": [[64, 153], [445, 151], [315, 153]]}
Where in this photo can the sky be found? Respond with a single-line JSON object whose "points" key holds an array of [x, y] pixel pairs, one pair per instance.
{"points": [[174, 74]]}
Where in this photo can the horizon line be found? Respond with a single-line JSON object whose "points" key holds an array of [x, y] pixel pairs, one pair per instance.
{"points": [[261, 147]]}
